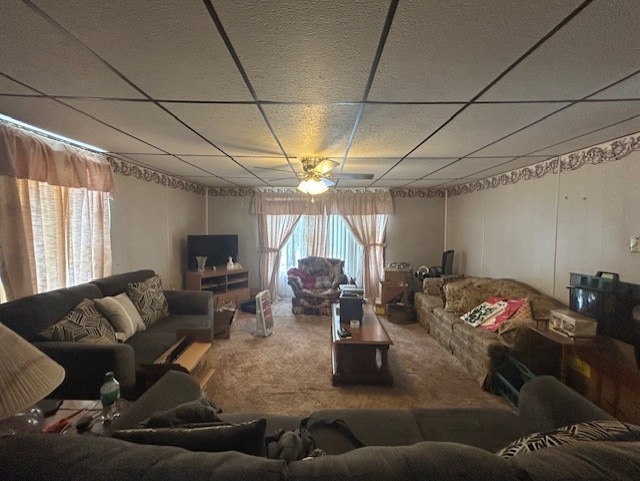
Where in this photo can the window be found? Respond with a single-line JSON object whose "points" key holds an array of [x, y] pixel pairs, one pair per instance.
{"points": [[54, 214], [340, 245]]}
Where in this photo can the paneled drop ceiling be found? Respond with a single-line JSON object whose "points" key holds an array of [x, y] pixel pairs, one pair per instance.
{"points": [[422, 94]]}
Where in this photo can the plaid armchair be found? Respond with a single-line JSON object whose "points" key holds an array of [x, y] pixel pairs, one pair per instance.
{"points": [[315, 284]]}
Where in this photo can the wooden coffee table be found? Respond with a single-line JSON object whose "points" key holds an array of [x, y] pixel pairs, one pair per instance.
{"points": [[362, 359]]}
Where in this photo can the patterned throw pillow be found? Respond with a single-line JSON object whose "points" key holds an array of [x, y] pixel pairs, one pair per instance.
{"points": [[588, 431], [149, 299], [323, 282], [84, 323]]}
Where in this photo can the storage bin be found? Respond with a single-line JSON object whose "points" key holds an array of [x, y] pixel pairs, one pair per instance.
{"points": [[509, 378], [401, 313]]}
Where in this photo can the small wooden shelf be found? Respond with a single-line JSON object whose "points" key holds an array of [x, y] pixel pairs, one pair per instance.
{"points": [[227, 285]]}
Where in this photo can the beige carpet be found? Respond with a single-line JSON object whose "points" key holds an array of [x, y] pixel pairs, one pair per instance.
{"points": [[289, 372]]}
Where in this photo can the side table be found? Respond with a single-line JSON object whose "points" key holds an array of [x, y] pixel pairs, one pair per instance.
{"points": [[72, 410]]}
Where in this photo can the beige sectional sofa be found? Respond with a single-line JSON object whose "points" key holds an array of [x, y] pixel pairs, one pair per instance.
{"points": [[445, 299]]}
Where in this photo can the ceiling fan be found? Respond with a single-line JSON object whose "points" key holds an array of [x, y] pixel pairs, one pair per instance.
{"points": [[317, 176]]}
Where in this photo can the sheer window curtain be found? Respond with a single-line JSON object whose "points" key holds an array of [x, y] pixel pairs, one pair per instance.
{"points": [[338, 242], [274, 230], [365, 211], [370, 232], [54, 214]]}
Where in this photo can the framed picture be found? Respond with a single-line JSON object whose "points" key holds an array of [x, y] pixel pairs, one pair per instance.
{"points": [[264, 315]]}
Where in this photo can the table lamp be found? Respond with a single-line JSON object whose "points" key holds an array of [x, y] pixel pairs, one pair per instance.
{"points": [[27, 375]]}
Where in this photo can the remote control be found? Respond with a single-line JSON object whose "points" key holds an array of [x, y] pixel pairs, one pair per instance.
{"points": [[344, 332]]}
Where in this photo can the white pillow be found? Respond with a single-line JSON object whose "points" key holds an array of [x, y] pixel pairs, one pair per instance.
{"points": [[122, 314], [131, 309]]}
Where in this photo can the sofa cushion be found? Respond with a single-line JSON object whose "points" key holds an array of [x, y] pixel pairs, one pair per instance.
{"points": [[121, 313], [323, 282], [149, 299], [591, 460], [199, 411], [488, 429], [390, 428], [117, 283], [28, 316], [464, 295], [174, 322], [84, 323], [606, 430], [96, 458], [245, 438], [150, 345], [421, 461]]}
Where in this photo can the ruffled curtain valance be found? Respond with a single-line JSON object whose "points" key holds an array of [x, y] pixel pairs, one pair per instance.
{"points": [[25, 155], [331, 203]]}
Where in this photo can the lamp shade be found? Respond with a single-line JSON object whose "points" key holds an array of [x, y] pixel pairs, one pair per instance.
{"points": [[27, 375], [312, 186]]}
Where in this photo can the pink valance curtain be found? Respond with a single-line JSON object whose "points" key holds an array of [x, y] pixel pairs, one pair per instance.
{"points": [[24, 155], [54, 214]]}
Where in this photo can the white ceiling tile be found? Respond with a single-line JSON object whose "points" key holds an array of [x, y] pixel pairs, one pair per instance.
{"points": [[8, 86], [55, 117], [247, 182], [353, 183], [597, 47], [169, 48], [627, 89], [236, 129], [167, 163], [312, 129], [449, 51], [367, 165], [147, 122], [426, 183], [601, 136], [508, 166], [221, 165], [571, 122], [467, 167], [211, 181], [44, 58], [391, 183], [306, 51], [462, 136], [413, 168], [393, 130]]}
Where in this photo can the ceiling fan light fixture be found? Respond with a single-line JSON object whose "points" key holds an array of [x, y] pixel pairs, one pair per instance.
{"points": [[312, 186]]}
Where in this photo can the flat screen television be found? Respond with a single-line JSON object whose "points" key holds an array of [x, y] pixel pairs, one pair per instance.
{"points": [[217, 248]]}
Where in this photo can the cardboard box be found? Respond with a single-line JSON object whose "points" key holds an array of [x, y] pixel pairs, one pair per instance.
{"points": [[394, 290], [398, 275], [222, 320]]}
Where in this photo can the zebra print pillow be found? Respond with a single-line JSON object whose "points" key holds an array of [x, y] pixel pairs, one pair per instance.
{"points": [[588, 431], [148, 297], [83, 323]]}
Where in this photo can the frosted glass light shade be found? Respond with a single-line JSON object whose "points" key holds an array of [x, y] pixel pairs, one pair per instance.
{"points": [[27, 376], [312, 186]]}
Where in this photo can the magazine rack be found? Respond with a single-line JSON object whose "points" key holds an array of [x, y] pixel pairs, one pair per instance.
{"points": [[264, 315]]}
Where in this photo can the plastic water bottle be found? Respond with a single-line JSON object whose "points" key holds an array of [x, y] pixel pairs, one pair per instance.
{"points": [[109, 395]]}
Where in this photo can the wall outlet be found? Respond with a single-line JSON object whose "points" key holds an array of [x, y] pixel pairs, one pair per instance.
{"points": [[634, 244]]}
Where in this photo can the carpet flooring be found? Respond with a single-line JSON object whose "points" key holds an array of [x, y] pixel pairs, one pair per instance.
{"points": [[289, 372]]}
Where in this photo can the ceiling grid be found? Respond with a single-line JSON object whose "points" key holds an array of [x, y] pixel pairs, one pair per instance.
{"points": [[421, 95]]}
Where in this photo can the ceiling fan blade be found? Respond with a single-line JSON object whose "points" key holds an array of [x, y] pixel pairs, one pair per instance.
{"points": [[327, 182], [352, 176], [325, 165], [278, 168]]}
